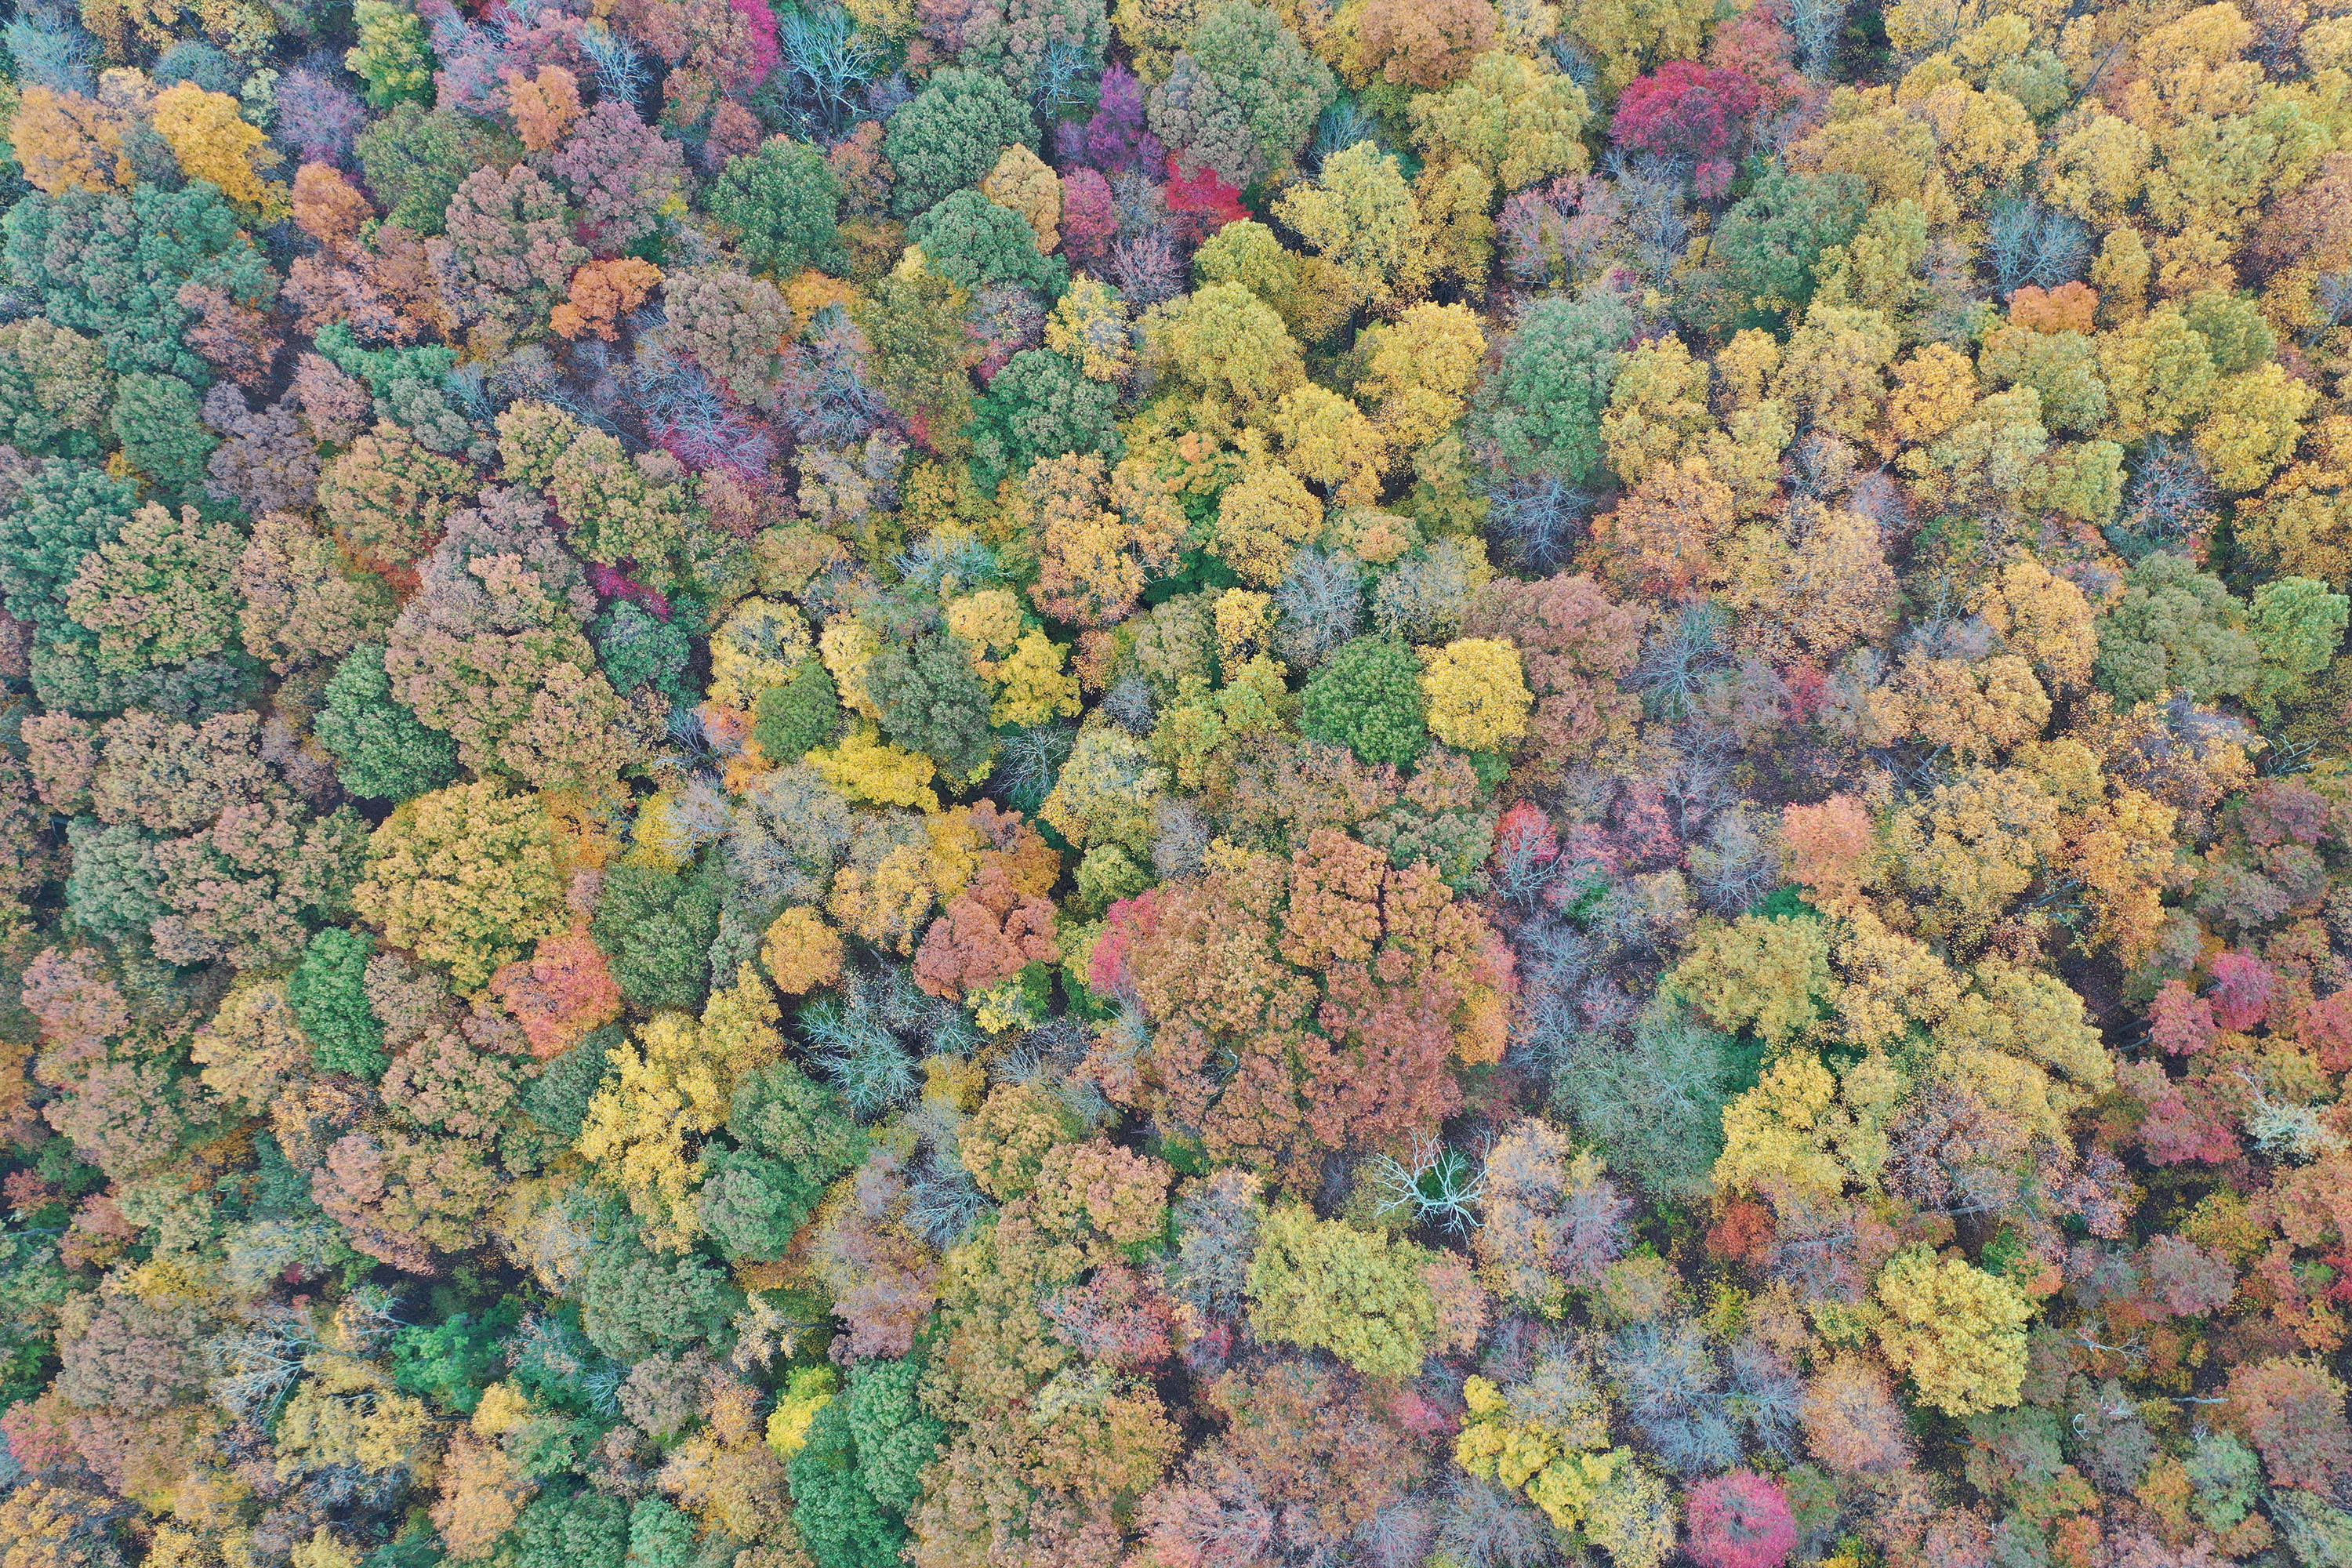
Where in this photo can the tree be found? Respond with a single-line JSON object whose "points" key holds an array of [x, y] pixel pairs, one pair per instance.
{"points": [[113, 267], [988, 935], [2296, 625], [63, 511], [465, 877], [387, 498], [543, 105], [1957, 1331], [381, 749], [859, 1472], [1853, 1421], [159, 592], [657, 927], [1241, 95], [1262, 519], [932, 701], [2174, 628], [1306, 1461], [212, 142], [1424, 46], [1369, 698], [974, 242], [620, 172], [782, 204], [509, 251], [1688, 110], [1573, 644], [1041, 405], [328, 993], [1093, 560], [601, 293], [392, 57], [2292, 1414], [2253, 426], [793, 718], [54, 390], [633, 1303], [492, 651], [1551, 1221], [1360, 216], [414, 158], [1022, 182], [1740, 1520], [1514, 118], [1360, 1295], [1479, 699], [950, 135], [1764, 250], [1544, 407]]}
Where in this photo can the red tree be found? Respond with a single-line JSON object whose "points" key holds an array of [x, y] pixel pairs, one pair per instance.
{"points": [[1684, 109]]}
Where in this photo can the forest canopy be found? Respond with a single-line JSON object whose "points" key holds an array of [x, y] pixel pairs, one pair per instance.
{"points": [[1175, 783]]}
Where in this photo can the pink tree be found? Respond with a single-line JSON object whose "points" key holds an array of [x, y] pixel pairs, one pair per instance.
{"points": [[1740, 1520]]}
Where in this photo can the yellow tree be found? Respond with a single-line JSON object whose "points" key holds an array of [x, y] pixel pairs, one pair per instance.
{"points": [[1327, 440], [1630, 37], [1478, 697], [214, 142], [1514, 119], [1022, 182], [1420, 371], [1360, 216], [1657, 408], [673, 1084], [1262, 519], [1956, 1330], [64, 140]]}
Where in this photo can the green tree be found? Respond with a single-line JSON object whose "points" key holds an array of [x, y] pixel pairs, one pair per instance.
{"points": [[2297, 624], [633, 1303], [159, 419], [1369, 698], [382, 752], [783, 204], [975, 242], [2175, 628], [328, 992], [783, 1113], [1653, 1104], [110, 266], [65, 511], [661, 1535], [932, 699], [803, 713], [914, 318], [638, 648], [113, 888], [1242, 96], [655, 928], [753, 1206], [1328, 1286], [951, 135], [415, 158], [1041, 405], [1544, 406], [1764, 249], [452, 1360], [861, 1468]]}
